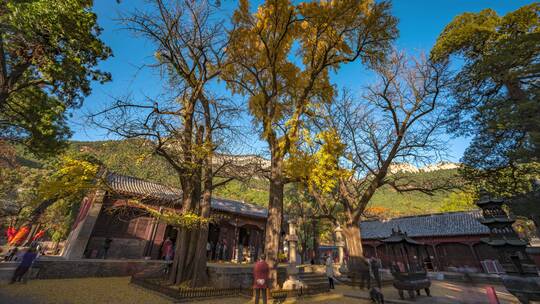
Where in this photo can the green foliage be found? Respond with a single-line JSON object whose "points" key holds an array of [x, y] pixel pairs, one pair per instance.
{"points": [[462, 200], [504, 182], [64, 181], [254, 191], [496, 90], [50, 51], [413, 203]]}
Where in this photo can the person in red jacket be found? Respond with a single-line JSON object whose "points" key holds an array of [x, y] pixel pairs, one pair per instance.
{"points": [[261, 270]]}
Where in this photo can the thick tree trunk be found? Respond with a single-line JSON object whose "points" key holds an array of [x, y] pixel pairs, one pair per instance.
{"points": [[316, 241], [353, 241], [275, 212], [200, 277], [180, 267], [180, 255]]}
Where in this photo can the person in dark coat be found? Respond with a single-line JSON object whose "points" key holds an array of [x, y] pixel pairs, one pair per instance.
{"points": [[106, 246], [365, 277], [261, 271], [26, 261], [375, 266]]}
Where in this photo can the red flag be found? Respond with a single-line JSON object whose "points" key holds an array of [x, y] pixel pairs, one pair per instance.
{"points": [[11, 231], [19, 236], [38, 235], [492, 295]]}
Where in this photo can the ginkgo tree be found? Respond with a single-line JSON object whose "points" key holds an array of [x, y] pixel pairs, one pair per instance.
{"points": [[398, 118], [280, 58], [70, 177]]}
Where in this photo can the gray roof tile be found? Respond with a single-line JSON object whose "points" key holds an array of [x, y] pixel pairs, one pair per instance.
{"points": [[439, 224], [131, 186]]}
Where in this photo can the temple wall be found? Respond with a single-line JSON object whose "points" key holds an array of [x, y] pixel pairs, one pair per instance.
{"points": [[81, 268], [121, 248]]}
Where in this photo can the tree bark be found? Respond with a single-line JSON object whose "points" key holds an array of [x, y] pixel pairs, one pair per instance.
{"points": [[200, 277], [353, 240], [275, 212], [316, 241]]}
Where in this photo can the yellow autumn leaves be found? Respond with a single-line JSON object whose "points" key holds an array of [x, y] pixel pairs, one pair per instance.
{"points": [[186, 220], [71, 178], [318, 164]]}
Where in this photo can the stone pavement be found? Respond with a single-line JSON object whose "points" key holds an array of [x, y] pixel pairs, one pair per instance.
{"points": [[117, 290], [442, 292]]}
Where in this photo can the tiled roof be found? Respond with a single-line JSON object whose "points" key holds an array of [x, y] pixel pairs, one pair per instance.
{"points": [[238, 207], [131, 186], [439, 224]]}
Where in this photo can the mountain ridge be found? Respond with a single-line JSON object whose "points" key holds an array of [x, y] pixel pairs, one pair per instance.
{"points": [[133, 159]]}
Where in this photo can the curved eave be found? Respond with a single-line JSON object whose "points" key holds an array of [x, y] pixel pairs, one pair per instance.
{"points": [[502, 220], [499, 243]]}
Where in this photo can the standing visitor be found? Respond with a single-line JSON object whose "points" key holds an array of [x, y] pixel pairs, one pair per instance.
{"points": [[330, 271], [375, 266], [106, 246], [27, 260], [225, 252], [219, 251], [208, 250], [365, 276], [167, 249], [261, 270]]}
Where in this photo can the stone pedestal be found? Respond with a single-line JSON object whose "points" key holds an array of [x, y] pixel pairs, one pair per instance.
{"points": [[339, 244], [292, 281]]}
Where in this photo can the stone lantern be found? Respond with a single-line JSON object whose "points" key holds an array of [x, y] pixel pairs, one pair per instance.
{"points": [[292, 271], [521, 276], [340, 244]]}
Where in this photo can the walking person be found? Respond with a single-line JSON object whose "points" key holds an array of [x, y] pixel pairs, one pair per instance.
{"points": [[330, 271], [26, 262], [261, 271]]}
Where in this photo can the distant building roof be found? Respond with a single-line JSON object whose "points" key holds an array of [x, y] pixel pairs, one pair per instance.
{"points": [[132, 186], [238, 207], [438, 224]]}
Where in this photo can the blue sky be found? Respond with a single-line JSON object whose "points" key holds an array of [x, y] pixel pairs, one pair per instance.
{"points": [[420, 22]]}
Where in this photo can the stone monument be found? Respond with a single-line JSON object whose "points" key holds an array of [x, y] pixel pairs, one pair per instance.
{"points": [[292, 271], [340, 244]]}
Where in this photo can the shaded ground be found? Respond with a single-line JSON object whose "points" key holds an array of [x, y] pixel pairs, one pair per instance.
{"points": [[118, 290]]}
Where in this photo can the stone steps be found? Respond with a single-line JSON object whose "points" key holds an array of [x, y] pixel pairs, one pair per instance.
{"points": [[313, 280]]}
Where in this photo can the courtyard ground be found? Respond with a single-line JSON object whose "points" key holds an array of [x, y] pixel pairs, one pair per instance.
{"points": [[119, 291]]}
